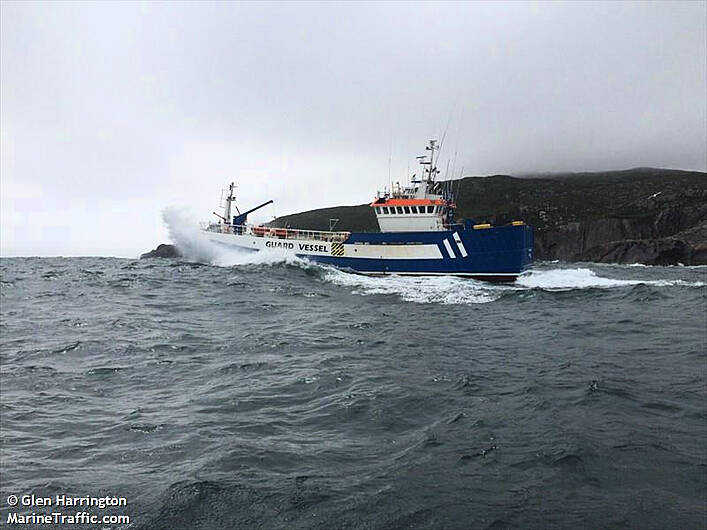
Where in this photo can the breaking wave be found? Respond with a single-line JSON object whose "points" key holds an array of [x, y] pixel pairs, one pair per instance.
{"points": [[424, 290], [184, 231]]}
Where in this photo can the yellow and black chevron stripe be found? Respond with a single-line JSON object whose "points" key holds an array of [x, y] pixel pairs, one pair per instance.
{"points": [[337, 249]]}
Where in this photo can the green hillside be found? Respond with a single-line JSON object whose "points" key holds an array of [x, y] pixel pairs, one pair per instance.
{"points": [[544, 202]]}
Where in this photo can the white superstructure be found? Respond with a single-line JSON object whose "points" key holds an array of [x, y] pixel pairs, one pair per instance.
{"points": [[414, 208]]}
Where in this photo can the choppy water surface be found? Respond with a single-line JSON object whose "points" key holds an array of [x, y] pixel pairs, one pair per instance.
{"points": [[259, 393]]}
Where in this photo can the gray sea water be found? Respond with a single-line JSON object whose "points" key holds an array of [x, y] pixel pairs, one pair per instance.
{"points": [[256, 392]]}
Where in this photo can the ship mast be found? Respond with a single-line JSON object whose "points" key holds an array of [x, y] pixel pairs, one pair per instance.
{"points": [[428, 172], [432, 170], [231, 197]]}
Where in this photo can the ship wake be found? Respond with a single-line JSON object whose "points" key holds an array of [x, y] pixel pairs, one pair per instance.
{"points": [[453, 290], [423, 289]]}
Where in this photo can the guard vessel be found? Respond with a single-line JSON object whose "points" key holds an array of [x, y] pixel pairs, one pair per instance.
{"points": [[418, 236]]}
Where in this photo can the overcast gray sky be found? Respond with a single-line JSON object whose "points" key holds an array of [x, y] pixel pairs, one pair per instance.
{"points": [[110, 112]]}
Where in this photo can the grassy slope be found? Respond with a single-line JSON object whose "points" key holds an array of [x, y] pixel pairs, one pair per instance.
{"points": [[543, 202]]}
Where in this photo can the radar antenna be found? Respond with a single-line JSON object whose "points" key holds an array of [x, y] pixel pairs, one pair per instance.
{"points": [[430, 170]]}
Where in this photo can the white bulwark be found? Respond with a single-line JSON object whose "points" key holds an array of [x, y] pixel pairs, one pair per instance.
{"points": [[290, 242]]}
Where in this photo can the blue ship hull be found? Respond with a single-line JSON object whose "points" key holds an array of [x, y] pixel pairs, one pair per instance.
{"points": [[492, 254]]}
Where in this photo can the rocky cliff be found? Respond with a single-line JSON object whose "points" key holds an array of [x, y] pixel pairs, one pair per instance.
{"points": [[642, 215]]}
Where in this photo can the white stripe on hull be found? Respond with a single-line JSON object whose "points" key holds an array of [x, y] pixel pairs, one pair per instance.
{"points": [[393, 251], [460, 245], [449, 248]]}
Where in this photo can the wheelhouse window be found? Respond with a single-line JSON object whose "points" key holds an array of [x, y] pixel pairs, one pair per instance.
{"points": [[385, 210], [413, 209], [400, 209], [407, 209], [430, 209], [378, 210]]}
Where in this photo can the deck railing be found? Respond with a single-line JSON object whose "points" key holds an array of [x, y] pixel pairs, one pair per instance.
{"points": [[277, 233]]}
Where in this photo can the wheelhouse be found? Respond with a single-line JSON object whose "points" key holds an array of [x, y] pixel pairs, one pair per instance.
{"points": [[415, 208]]}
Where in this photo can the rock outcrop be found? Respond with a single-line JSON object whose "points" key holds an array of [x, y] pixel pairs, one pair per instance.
{"points": [[674, 235], [162, 251]]}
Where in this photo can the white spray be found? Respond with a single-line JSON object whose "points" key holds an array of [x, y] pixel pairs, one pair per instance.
{"points": [[184, 231]]}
